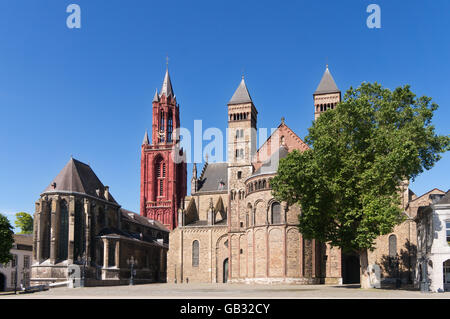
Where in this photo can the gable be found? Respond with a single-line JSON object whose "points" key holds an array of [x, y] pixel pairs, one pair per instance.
{"points": [[282, 136]]}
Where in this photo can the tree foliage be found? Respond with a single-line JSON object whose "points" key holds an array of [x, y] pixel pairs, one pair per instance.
{"points": [[6, 239], [24, 221], [347, 184]]}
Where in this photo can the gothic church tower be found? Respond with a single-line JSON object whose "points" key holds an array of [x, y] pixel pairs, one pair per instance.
{"points": [[163, 168]]}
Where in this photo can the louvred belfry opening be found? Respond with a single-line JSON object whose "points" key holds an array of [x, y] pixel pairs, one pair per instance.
{"points": [[163, 174]]}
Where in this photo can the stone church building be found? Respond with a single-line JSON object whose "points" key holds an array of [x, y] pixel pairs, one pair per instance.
{"points": [[78, 222], [231, 229]]}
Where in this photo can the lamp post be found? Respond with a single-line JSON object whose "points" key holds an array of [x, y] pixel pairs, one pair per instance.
{"points": [[84, 261], [15, 274], [132, 262], [24, 280]]}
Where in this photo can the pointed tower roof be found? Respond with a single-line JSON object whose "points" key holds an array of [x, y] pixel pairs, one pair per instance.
{"points": [[167, 85], [327, 84], [146, 141], [156, 97], [241, 94], [77, 177]]}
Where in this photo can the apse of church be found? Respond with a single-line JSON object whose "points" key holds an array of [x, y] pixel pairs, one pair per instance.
{"points": [[78, 222]]}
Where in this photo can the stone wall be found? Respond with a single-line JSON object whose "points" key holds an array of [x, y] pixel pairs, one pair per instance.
{"points": [[212, 252]]}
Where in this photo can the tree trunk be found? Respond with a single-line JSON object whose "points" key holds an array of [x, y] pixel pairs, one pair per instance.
{"points": [[364, 273]]}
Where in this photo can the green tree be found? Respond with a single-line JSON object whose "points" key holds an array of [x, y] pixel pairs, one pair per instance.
{"points": [[347, 184], [25, 222], [6, 239]]}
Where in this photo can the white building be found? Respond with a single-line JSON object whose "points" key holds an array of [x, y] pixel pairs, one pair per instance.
{"points": [[433, 243], [21, 263]]}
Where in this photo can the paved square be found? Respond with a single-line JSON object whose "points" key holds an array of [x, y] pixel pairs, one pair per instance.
{"points": [[227, 291]]}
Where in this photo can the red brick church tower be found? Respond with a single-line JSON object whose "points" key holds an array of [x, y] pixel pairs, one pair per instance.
{"points": [[163, 165]]}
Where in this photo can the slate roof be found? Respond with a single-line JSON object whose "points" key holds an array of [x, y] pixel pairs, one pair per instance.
{"points": [[197, 223], [271, 165], [167, 86], [146, 140], [445, 199], [327, 84], [156, 96], [133, 217], [211, 177], [241, 94], [78, 177]]}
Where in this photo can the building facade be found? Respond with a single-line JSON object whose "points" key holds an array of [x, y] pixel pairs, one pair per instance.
{"points": [[233, 230], [78, 223], [433, 233], [163, 167], [16, 274]]}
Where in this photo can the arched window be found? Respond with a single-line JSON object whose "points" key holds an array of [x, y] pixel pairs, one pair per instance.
{"points": [[79, 230], [161, 126], [169, 128], [160, 172], [276, 213], [392, 246], [63, 231], [195, 253]]}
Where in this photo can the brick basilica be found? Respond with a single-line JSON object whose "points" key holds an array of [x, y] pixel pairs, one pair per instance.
{"points": [[231, 229]]}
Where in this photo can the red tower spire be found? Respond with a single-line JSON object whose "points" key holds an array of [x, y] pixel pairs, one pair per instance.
{"points": [[163, 175]]}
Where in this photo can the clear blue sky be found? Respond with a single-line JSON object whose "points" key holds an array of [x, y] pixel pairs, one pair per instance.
{"points": [[88, 92]]}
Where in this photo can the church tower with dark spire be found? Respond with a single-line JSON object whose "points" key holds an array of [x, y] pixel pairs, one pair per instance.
{"points": [[327, 94], [242, 120], [163, 165]]}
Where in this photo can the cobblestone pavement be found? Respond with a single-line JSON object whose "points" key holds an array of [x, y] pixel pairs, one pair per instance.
{"points": [[226, 291]]}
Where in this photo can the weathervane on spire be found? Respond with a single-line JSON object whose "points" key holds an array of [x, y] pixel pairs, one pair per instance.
{"points": [[167, 61]]}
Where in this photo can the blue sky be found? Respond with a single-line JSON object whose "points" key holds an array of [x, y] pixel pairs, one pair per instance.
{"points": [[88, 92]]}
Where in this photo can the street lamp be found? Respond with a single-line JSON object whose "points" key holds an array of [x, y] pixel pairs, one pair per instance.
{"points": [[16, 261], [84, 261], [24, 280], [132, 262]]}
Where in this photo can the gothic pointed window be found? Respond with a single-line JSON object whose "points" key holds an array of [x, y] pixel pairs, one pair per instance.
{"points": [[169, 128], [161, 127], [160, 168], [63, 231], [195, 253], [79, 230]]}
